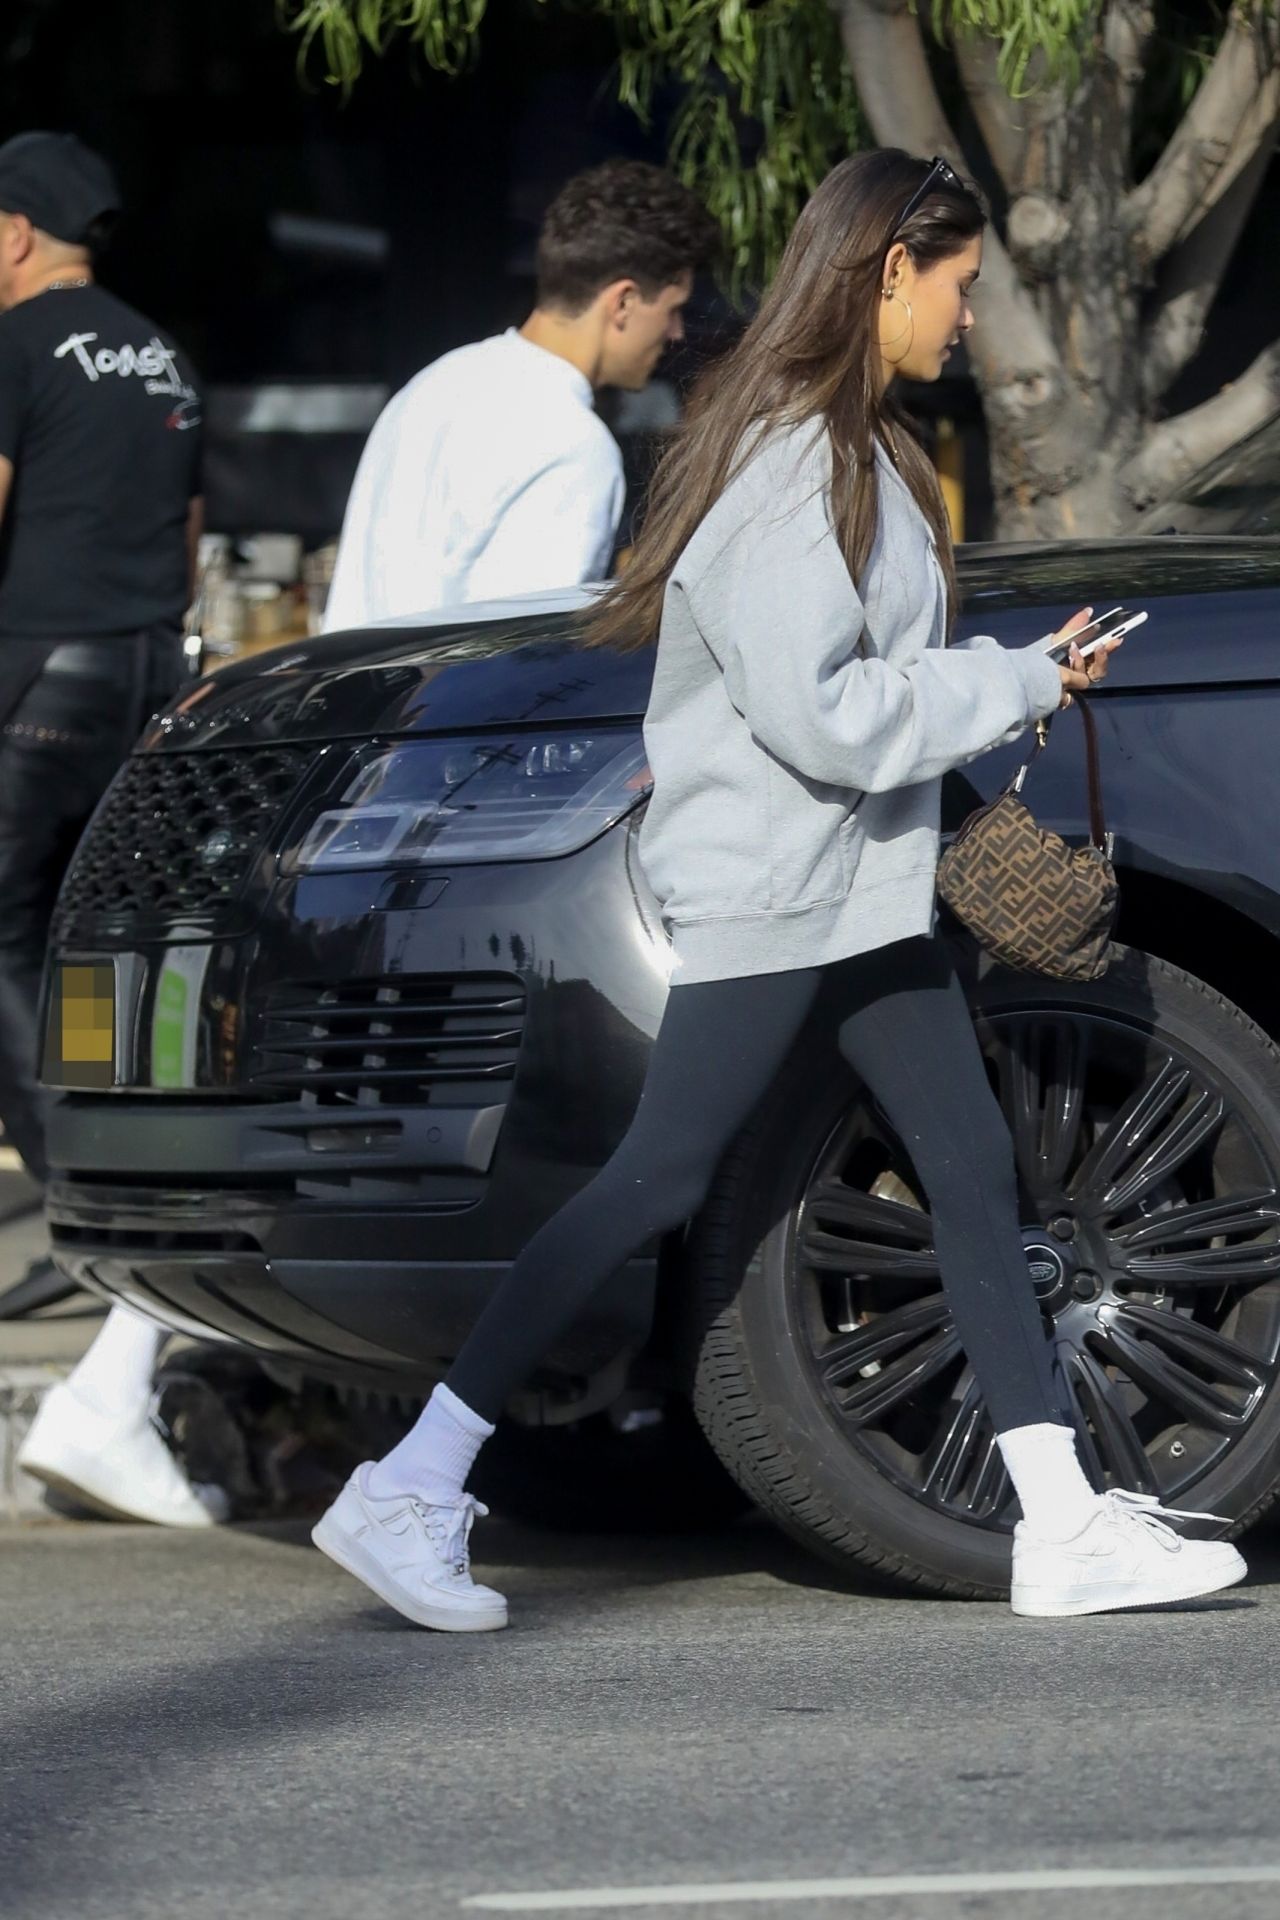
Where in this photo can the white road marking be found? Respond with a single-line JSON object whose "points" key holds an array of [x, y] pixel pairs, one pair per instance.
{"points": [[874, 1887]]}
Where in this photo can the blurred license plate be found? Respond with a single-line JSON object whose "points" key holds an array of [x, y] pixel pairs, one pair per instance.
{"points": [[80, 1038]]}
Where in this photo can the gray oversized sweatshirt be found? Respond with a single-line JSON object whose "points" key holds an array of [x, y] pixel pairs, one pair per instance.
{"points": [[798, 730]]}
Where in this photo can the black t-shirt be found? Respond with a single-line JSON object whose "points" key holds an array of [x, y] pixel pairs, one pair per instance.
{"points": [[100, 417]]}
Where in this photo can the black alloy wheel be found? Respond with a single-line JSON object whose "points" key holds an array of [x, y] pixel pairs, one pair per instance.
{"points": [[1145, 1114]]}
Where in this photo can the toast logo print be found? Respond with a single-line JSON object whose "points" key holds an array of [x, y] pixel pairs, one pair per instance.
{"points": [[154, 364]]}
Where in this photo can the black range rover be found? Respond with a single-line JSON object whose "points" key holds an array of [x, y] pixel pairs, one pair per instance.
{"points": [[354, 981]]}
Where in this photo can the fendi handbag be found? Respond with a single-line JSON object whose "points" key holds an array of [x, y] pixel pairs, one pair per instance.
{"points": [[1026, 896]]}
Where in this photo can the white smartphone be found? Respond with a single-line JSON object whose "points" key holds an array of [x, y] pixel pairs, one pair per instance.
{"points": [[1107, 626]]}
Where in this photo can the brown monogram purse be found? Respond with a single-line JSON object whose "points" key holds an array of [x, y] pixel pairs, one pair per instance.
{"points": [[1026, 896]]}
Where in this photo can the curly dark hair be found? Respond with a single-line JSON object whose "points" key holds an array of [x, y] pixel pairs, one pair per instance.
{"points": [[625, 220]]}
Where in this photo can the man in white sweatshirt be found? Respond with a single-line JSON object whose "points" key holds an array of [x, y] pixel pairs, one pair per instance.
{"points": [[491, 473]]}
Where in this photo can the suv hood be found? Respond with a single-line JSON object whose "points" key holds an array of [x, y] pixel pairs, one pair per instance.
{"points": [[519, 662], [515, 668]]}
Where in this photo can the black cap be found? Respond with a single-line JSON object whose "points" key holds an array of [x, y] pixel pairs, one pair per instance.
{"points": [[62, 186]]}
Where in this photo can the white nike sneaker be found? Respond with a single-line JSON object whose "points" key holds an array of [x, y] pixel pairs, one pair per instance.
{"points": [[115, 1465], [414, 1556], [1127, 1556]]}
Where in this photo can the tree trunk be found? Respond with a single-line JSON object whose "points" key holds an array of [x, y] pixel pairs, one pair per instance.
{"points": [[1064, 353], [1089, 294]]}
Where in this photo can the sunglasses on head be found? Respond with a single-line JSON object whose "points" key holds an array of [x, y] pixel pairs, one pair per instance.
{"points": [[939, 173]]}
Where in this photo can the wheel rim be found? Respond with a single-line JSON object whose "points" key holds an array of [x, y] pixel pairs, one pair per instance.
{"points": [[1151, 1203]]}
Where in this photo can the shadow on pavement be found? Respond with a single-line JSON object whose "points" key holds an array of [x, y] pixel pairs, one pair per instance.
{"points": [[749, 1546]]}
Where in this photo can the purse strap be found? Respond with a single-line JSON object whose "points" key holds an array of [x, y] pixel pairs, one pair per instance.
{"points": [[1098, 835]]}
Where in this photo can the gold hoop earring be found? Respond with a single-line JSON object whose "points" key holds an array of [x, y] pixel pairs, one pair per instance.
{"points": [[891, 293]]}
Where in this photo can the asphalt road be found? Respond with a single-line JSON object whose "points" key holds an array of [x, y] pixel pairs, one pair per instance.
{"points": [[224, 1725]]}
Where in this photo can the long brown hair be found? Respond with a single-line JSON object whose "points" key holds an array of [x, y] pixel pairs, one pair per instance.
{"points": [[810, 353]]}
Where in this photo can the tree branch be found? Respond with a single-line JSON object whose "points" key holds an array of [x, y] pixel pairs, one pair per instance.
{"points": [[1193, 274], [1128, 28], [887, 58], [1170, 201], [999, 120], [1255, 131], [1044, 113], [1173, 450]]}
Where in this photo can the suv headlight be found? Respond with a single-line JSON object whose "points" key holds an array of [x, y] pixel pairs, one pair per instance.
{"points": [[518, 796]]}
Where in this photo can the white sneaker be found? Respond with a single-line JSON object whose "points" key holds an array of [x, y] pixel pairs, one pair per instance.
{"points": [[1127, 1556], [116, 1465], [414, 1556]]}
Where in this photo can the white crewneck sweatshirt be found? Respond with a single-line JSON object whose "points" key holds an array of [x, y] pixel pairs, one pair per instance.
{"points": [[489, 474]]}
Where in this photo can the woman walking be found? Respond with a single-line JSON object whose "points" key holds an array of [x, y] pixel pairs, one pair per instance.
{"points": [[795, 569]]}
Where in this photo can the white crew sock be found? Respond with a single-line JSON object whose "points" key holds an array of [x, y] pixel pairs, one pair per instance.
{"points": [[1057, 1500], [435, 1456], [116, 1373]]}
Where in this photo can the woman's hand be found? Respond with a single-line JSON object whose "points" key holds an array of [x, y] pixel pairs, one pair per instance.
{"points": [[1080, 672]]}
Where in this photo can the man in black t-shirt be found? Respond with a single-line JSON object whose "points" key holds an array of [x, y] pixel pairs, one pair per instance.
{"points": [[100, 429], [99, 515]]}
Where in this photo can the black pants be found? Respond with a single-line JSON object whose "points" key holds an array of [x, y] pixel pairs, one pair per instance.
{"points": [[905, 1029], [60, 746]]}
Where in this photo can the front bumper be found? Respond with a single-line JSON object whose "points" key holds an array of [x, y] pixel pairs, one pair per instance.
{"points": [[329, 1291], [360, 1236]]}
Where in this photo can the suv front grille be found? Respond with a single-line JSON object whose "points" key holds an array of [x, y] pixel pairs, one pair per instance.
{"points": [[399, 1040], [175, 840]]}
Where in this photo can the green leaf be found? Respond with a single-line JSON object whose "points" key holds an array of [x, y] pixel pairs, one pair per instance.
{"points": [[445, 31]]}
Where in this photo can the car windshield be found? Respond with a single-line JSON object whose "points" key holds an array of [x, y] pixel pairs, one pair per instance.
{"points": [[1237, 493]]}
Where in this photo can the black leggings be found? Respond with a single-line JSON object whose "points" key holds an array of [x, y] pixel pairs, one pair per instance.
{"points": [[905, 1029]]}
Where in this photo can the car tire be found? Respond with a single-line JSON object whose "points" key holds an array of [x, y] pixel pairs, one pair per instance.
{"points": [[762, 1403], [649, 1472]]}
